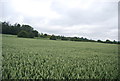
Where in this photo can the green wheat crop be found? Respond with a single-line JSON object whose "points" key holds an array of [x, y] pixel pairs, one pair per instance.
{"points": [[25, 58]]}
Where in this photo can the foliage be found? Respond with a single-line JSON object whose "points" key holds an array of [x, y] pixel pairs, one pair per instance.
{"points": [[16, 28], [45, 34], [64, 38], [99, 41], [26, 34], [35, 33], [53, 37], [45, 59], [31, 35], [23, 34], [27, 28], [108, 41], [41, 35]]}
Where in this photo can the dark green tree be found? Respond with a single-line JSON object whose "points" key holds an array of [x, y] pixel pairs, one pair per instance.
{"points": [[23, 34], [41, 35], [99, 41], [27, 28], [31, 35], [35, 32], [45, 34], [108, 41], [64, 38], [16, 28], [52, 37], [115, 42]]}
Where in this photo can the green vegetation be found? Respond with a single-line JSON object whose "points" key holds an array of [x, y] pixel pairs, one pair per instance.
{"points": [[23, 34], [27, 31], [0, 56], [24, 31], [52, 37], [26, 58]]}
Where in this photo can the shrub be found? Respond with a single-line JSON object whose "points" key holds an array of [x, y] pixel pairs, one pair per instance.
{"points": [[23, 34], [26, 34], [31, 35], [52, 37], [64, 38], [35, 32], [99, 41]]}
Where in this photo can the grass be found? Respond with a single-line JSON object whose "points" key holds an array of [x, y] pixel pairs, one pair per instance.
{"points": [[25, 58]]}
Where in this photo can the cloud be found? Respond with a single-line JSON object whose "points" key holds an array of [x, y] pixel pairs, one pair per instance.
{"points": [[97, 12], [95, 19]]}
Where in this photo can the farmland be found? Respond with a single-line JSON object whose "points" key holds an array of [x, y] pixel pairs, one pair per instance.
{"points": [[25, 58]]}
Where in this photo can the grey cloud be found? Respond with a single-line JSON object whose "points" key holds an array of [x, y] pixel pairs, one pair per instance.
{"points": [[75, 16], [101, 19]]}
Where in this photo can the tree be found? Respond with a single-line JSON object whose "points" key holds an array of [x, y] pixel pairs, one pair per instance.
{"points": [[23, 34], [27, 28], [75, 39], [58, 37], [64, 38], [0, 27], [52, 37], [16, 28], [24, 30], [108, 41], [99, 41], [45, 34], [31, 35], [41, 35], [35, 32], [6, 27], [118, 42]]}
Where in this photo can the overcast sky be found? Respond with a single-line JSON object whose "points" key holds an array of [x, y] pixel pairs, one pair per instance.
{"points": [[94, 19]]}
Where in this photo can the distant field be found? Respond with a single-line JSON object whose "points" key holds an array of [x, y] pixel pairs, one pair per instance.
{"points": [[25, 58]]}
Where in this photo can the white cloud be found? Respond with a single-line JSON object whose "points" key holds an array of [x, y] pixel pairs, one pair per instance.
{"points": [[34, 8], [96, 19]]}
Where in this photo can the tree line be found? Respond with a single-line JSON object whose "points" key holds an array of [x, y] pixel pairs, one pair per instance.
{"points": [[27, 31], [53, 37]]}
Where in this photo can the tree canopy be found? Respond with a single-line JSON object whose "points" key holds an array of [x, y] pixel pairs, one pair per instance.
{"points": [[19, 30], [27, 31]]}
